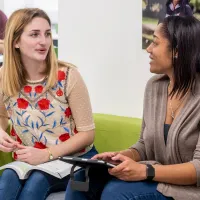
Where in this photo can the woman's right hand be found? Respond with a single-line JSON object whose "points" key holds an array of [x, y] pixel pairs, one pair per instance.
{"points": [[7, 144]]}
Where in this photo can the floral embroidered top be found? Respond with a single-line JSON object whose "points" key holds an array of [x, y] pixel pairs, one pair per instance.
{"points": [[42, 118]]}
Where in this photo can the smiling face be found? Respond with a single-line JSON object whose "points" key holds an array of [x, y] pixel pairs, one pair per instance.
{"points": [[176, 1], [160, 54], [35, 40]]}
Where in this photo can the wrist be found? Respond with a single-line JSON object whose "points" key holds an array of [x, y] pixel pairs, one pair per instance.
{"points": [[49, 155], [132, 155], [143, 171], [150, 172]]}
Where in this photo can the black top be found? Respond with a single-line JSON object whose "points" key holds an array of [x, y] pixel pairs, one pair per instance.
{"points": [[166, 130]]}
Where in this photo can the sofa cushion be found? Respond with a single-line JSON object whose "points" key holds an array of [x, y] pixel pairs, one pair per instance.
{"points": [[114, 133]]}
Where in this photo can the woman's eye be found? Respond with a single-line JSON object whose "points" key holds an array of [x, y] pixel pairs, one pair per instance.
{"points": [[48, 34], [34, 35], [154, 43]]}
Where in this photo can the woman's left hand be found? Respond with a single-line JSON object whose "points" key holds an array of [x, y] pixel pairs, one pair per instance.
{"points": [[31, 155], [128, 169]]}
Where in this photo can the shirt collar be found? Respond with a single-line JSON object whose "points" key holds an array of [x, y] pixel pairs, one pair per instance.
{"points": [[172, 6]]}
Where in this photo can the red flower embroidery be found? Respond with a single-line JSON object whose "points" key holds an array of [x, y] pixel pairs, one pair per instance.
{"points": [[61, 75], [43, 104], [12, 132], [59, 93], [39, 145], [68, 112], [22, 103], [19, 140], [82, 151], [15, 156], [64, 137], [39, 89], [75, 131], [27, 89]]}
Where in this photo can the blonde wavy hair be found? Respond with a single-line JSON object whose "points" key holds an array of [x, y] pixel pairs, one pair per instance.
{"points": [[13, 74]]}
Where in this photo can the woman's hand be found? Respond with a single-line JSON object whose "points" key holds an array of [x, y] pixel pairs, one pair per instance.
{"points": [[7, 144], [128, 169], [31, 155], [107, 157]]}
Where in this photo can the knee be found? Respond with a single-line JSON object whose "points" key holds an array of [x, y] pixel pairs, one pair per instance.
{"points": [[9, 176], [36, 181], [37, 177], [115, 189], [110, 192], [9, 173]]}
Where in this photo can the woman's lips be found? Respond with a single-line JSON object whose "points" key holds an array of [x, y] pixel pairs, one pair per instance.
{"points": [[41, 51]]}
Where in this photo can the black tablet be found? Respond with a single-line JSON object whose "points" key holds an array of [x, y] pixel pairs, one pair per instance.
{"points": [[84, 162]]}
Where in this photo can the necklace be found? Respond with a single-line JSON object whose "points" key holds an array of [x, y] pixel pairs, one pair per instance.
{"points": [[36, 81], [173, 111]]}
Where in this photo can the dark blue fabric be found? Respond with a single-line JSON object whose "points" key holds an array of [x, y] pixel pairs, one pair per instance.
{"points": [[105, 187], [38, 186], [166, 130]]}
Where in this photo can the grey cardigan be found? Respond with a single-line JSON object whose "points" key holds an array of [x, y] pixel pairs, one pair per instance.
{"points": [[183, 142]]}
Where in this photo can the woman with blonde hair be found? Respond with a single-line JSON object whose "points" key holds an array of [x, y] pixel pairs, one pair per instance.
{"points": [[47, 103]]}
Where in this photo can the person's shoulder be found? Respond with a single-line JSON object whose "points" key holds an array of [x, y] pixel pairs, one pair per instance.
{"points": [[65, 66], [69, 70]]}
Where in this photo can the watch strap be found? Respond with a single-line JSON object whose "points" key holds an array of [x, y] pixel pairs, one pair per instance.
{"points": [[50, 154], [150, 171]]}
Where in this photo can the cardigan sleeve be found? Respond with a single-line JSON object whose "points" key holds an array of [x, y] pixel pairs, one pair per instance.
{"points": [[140, 145], [196, 161]]}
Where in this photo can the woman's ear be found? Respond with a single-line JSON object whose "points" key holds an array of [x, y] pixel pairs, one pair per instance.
{"points": [[16, 45], [176, 53]]}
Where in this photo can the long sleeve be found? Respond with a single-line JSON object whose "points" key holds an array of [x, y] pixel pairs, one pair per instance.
{"points": [[79, 101], [196, 161], [140, 145]]}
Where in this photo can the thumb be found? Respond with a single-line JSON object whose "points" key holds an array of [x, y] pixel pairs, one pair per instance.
{"points": [[119, 157], [21, 146]]}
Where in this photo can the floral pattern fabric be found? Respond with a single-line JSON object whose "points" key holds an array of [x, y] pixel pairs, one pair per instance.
{"points": [[41, 117]]}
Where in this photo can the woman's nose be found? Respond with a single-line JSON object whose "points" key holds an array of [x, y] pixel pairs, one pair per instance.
{"points": [[42, 40], [148, 49]]}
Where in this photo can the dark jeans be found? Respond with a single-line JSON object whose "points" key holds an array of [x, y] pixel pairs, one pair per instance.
{"points": [[105, 187], [37, 187]]}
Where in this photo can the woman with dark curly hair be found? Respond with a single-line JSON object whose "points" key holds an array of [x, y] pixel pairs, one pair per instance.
{"points": [[178, 7]]}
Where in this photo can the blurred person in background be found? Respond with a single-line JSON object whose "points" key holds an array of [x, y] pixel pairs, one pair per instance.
{"points": [[3, 20]]}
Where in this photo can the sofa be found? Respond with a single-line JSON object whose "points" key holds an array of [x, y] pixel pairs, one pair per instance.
{"points": [[113, 133]]}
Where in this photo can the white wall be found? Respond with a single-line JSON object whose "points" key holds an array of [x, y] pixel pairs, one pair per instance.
{"points": [[103, 38], [50, 6], [2, 5]]}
